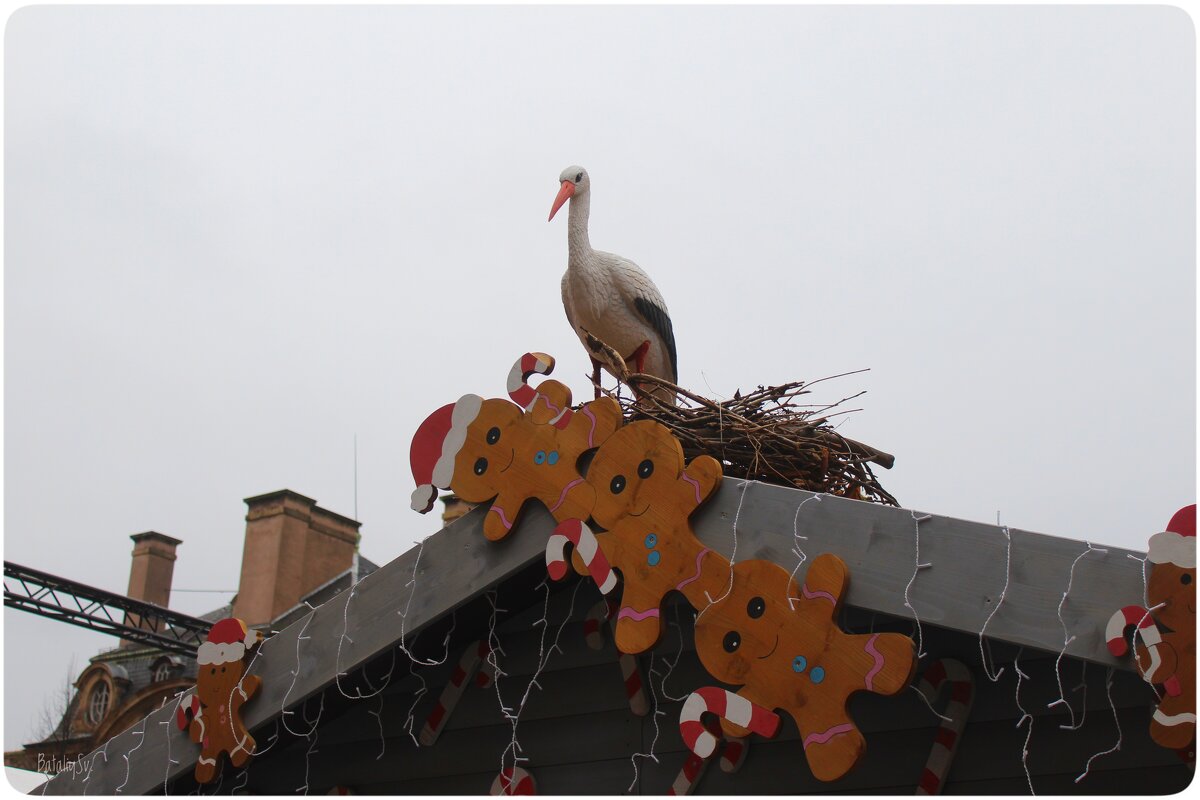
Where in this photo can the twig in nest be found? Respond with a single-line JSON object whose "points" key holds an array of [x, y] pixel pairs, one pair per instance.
{"points": [[766, 435]]}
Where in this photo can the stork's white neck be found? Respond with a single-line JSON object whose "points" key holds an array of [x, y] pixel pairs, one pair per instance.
{"points": [[578, 244]]}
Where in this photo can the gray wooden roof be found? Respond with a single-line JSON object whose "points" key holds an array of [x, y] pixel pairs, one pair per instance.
{"points": [[959, 590]]}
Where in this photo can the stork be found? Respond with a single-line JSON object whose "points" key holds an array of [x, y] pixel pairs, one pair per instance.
{"points": [[610, 297]]}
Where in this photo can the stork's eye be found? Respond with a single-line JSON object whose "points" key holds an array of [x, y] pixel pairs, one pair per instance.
{"points": [[578, 177], [732, 641], [618, 484], [645, 469], [480, 466], [756, 607], [493, 435]]}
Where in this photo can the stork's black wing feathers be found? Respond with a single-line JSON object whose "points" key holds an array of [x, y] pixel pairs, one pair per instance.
{"points": [[661, 323]]}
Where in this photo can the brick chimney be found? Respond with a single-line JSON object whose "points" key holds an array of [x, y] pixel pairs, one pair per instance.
{"points": [[151, 571], [292, 546]]}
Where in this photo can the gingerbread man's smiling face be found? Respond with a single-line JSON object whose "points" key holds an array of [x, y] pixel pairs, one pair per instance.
{"points": [[753, 630], [489, 451], [638, 476], [215, 683]]}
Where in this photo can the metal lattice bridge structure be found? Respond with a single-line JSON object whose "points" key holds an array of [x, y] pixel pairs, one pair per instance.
{"points": [[88, 607]]}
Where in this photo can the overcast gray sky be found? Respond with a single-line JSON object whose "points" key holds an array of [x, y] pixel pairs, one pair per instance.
{"points": [[236, 238]]}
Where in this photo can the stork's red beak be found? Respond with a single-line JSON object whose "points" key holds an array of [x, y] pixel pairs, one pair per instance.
{"points": [[564, 194]]}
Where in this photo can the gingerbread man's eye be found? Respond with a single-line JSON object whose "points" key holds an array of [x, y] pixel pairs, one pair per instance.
{"points": [[756, 607], [618, 484], [480, 466], [645, 469], [1185, 579], [732, 641], [493, 435], [212, 671], [222, 669]]}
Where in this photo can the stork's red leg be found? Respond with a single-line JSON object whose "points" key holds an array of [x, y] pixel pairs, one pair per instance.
{"points": [[596, 377], [639, 356]]}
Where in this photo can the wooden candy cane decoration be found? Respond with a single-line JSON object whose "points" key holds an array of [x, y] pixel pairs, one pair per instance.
{"points": [[525, 395], [475, 653], [186, 711], [1145, 627], [733, 754], [726, 705], [1114, 634], [958, 706], [486, 673], [514, 780], [1148, 630], [635, 691], [694, 766], [689, 776], [597, 615], [593, 632], [580, 535]]}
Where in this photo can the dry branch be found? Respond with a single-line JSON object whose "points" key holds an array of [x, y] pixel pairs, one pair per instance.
{"points": [[766, 435]]}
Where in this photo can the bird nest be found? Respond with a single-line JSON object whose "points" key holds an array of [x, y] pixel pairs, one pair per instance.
{"points": [[765, 435]]}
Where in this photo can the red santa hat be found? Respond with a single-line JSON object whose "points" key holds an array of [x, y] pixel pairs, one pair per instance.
{"points": [[434, 446], [1177, 544], [227, 641]]}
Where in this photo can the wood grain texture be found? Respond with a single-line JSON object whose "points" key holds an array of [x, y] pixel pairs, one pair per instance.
{"points": [[781, 643], [644, 496], [509, 457]]}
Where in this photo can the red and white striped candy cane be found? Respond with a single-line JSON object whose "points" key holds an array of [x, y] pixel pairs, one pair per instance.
{"points": [[580, 535], [190, 705], [689, 776], [486, 674], [593, 632], [1114, 633], [726, 705], [514, 780], [635, 690], [733, 753], [958, 706], [525, 395], [466, 667], [1145, 627], [593, 622], [694, 766]]}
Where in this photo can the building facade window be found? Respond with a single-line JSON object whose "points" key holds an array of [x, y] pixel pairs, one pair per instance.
{"points": [[98, 703], [162, 672]]}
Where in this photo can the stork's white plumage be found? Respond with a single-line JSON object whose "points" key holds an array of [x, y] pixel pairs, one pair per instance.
{"points": [[610, 296]]}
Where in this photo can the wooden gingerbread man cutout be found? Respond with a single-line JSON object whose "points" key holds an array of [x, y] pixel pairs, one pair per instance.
{"points": [[213, 715], [493, 450], [781, 644], [1167, 653], [643, 498]]}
